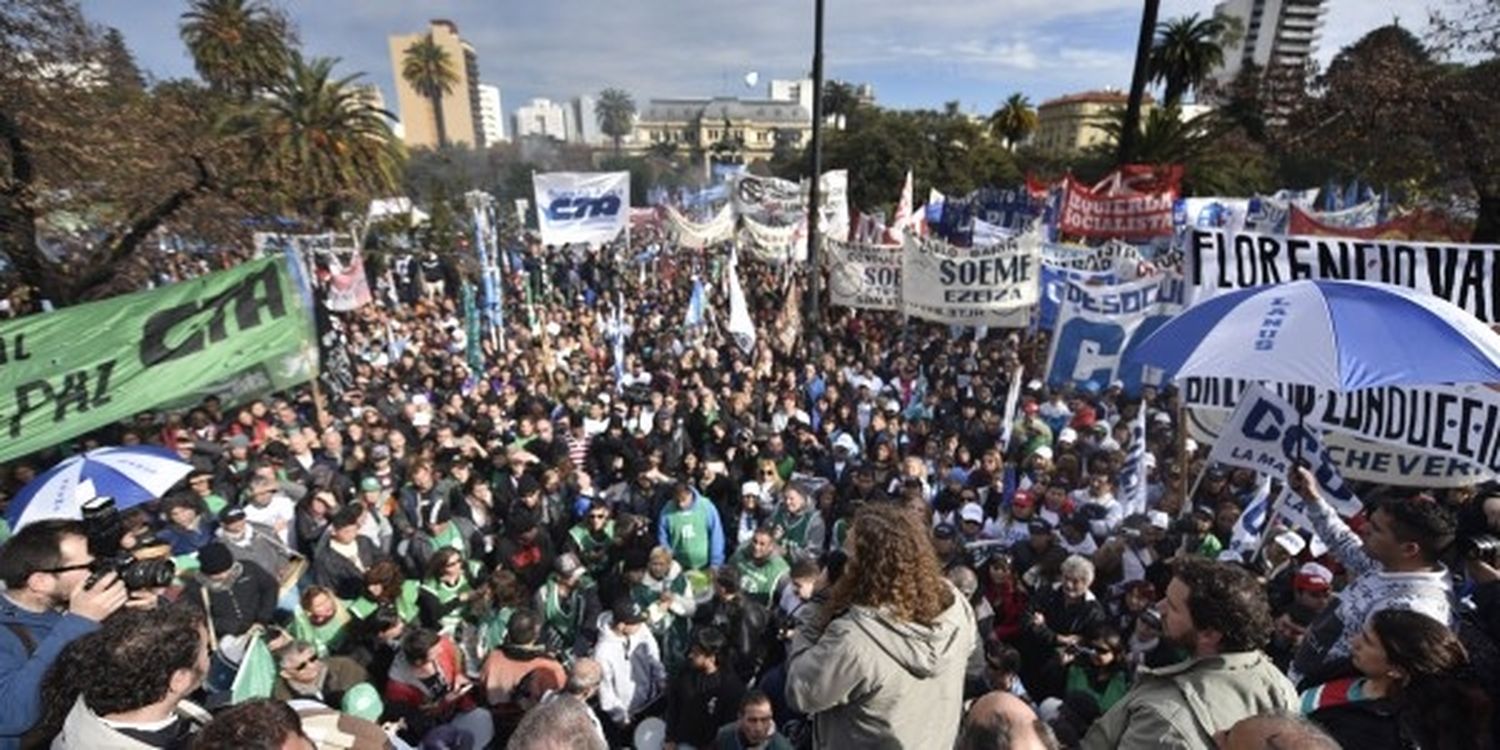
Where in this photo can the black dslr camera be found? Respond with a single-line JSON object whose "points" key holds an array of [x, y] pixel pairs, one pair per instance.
{"points": [[101, 523]]}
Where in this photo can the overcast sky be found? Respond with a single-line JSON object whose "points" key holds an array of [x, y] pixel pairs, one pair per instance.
{"points": [[917, 53]]}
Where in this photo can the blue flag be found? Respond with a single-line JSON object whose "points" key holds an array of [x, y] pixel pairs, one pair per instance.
{"points": [[695, 311]]}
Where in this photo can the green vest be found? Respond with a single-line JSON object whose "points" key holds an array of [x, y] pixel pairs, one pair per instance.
{"points": [[588, 545], [327, 637], [760, 581], [492, 629], [446, 594], [560, 616], [406, 604], [793, 530], [687, 532]]}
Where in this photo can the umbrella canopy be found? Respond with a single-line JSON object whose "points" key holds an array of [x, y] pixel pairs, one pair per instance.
{"points": [[1342, 335], [131, 475]]}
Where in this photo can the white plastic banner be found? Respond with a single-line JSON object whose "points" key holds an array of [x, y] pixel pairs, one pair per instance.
{"points": [[582, 207], [976, 286]]}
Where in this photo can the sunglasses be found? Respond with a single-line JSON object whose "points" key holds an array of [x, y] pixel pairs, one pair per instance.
{"points": [[309, 660], [67, 568]]}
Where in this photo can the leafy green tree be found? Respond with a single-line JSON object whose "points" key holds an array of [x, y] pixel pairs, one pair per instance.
{"points": [[238, 46], [1014, 120], [616, 115], [1185, 52], [428, 68], [318, 137]]}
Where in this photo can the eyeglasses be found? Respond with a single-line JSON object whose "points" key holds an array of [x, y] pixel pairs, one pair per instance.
{"points": [[309, 660], [67, 568], [599, 516]]}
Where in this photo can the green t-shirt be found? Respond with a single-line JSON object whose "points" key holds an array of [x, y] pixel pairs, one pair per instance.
{"points": [[759, 582], [688, 534]]}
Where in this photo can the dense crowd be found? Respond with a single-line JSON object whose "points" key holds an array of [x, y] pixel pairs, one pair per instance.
{"points": [[839, 538]]}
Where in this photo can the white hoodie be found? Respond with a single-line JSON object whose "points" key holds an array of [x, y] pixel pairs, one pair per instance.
{"points": [[632, 670]]}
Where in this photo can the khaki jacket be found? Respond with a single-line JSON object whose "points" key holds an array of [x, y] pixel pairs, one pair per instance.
{"points": [[1184, 705]]}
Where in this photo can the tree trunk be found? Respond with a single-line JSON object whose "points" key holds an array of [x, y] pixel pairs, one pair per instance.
{"points": [[438, 121], [617, 145], [1487, 228], [18, 217]]}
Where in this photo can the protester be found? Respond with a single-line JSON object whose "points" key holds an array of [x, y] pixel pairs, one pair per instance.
{"points": [[894, 629], [255, 725], [633, 678], [1217, 615], [753, 729]]}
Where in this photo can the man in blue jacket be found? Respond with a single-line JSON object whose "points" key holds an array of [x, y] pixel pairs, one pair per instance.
{"points": [[44, 608]]}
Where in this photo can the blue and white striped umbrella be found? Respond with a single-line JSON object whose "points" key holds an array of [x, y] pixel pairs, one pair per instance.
{"points": [[131, 475], [1341, 335]]}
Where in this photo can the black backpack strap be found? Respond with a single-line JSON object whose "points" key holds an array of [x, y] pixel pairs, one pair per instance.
{"points": [[23, 634]]}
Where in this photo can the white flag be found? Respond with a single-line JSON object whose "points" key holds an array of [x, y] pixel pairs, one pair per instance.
{"points": [[903, 212], [740, 324]]}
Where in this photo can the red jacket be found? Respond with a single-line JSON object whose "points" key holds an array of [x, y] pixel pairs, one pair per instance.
{"points": [[406, 688], [1009, 602]]}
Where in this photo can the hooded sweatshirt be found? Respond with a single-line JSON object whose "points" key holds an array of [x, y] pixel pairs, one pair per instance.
{"points": [[633, 675], [871, 681]]}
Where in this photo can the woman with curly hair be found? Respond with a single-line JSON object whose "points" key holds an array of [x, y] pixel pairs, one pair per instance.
{"points": [[886, 667], [1412, 690]]}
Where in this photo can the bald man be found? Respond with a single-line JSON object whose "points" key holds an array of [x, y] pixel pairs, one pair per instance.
{"points": [[1275, 732], [1000, 719]]}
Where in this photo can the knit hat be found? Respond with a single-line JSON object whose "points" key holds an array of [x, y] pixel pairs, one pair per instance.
{"points": [[214, 559]]}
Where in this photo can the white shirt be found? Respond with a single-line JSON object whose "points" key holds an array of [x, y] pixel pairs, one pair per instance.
{"points": [[281, 509]]}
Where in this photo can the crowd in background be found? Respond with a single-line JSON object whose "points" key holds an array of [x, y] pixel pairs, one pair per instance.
{"points": [[840, 538]]}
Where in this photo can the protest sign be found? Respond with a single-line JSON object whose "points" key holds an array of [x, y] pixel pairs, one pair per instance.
{"points": [[1466, 275], [584, 207], [864, 276], [1461, 423], [1265, 435], [993, 286], [1098, 325], [700, 235], [63, 373], [1125, 214]]}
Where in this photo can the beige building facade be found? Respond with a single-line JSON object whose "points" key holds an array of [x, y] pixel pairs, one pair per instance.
{"points": [[1072, 123], [461, 106]]}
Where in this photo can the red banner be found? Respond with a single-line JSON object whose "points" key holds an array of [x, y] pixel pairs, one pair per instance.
{"points": [[1418, 226], [1129, 205]]}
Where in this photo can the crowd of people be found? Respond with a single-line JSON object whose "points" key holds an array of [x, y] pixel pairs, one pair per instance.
{"points": [[839, 538]]}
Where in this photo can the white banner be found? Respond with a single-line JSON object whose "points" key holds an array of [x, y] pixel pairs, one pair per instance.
{"points": [[1460, 423], [694, 235], [1265, 435], [994, 286], [1361, 460], [1098, 325], [741, 327], [1466, 275], [864, 276], [775, 244], [582, 207]]}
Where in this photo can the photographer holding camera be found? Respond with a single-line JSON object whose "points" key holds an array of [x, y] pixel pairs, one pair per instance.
{"points": [[48, 603]]}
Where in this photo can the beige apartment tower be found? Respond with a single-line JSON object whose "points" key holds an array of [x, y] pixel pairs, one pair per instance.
{"points": [[461, 106]]}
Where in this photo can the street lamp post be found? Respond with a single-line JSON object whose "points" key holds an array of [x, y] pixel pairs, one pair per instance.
{"points": [[814, 209]]}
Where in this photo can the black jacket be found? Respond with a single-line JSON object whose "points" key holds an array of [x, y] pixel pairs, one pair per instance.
{"points": [[249, 600], [698, 704]]}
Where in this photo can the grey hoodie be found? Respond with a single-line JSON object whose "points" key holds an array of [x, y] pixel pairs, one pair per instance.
{"points": [[874, 682]]}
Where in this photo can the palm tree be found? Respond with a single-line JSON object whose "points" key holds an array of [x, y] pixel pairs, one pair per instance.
{"points": [[238, 46], [1013, 121], [319, 134], [1186, 51], [428, 68], [839, 99], [615, 114]]}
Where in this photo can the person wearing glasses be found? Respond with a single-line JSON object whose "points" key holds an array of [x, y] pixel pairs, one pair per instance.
{"points": [[302, 673], [45, 606]]}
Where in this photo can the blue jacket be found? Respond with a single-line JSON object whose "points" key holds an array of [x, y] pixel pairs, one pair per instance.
{"points": [[20, 675]]}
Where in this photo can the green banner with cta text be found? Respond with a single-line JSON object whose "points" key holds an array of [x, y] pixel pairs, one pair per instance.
{"points": [[233, 334]]}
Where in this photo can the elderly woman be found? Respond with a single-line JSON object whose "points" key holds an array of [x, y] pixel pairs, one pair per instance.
{"points": [[1058, 617], [883, 667]]}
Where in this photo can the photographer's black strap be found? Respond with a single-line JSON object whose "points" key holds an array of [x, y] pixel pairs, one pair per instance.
{"points": [[23, 634]]}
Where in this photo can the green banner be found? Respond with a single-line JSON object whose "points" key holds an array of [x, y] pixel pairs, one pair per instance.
{"points": [[232, 334]]}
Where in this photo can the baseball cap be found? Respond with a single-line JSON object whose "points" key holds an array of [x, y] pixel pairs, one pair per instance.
{"points": [[568, 568], [750, 488], [1159, 519], [232, 513], [944, 531], [1291, 541], [1067, 435], [628, 612], [369, 484], [1023, 498], [1313, 577], [971, 512]]}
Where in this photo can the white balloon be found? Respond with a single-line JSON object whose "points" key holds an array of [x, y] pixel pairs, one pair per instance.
{"points": [[751, 79]]}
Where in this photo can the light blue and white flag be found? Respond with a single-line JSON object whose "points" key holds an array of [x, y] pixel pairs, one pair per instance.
{"points": [[1133, 473], [696, 312]]}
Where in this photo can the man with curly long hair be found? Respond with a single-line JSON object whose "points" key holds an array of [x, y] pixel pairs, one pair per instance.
{"points": [[1217, 614], [886, 667]]}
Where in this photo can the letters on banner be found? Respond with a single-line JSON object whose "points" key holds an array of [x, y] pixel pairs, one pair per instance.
{"points": [[1466, 275], [1459, 423], [983, 286], [581, 207], [1055, 282], [1130, 214], [864, 276], [1265, 435], [1098, 325], [696, 235], [234, 334]]}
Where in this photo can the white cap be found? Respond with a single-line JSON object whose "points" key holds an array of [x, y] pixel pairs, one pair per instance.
{"points": [[1191, 445], [1068, 435], [1035, 385], [1109, 444], [1044, 452], [750, 488], [1291, 541], [1159, 519], [1116, 383], [846, 441], [1148, 459], [422, 418], [971, 512]]}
